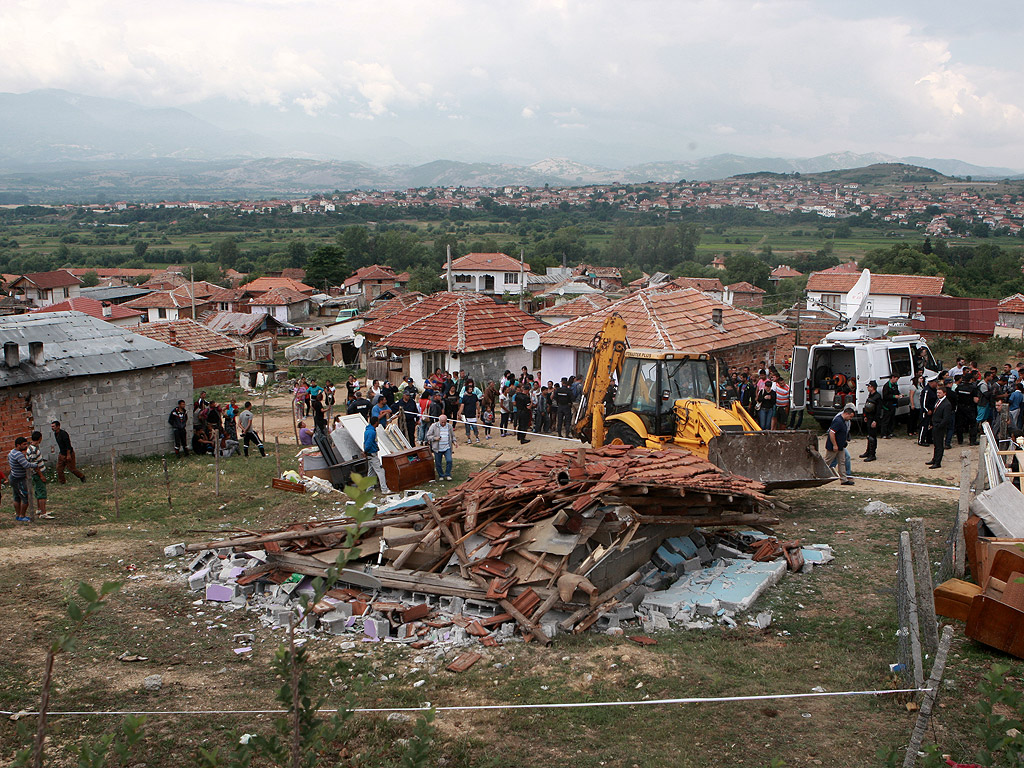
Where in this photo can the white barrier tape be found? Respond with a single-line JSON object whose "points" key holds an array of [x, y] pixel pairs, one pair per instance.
{"points": [[481, 707], [906, 482], [510, 431]]}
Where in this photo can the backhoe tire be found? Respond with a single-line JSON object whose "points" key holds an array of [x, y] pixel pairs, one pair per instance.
{"points": [[620, 433]]}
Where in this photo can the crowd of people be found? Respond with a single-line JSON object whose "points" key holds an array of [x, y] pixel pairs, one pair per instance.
{"points": [[215, 427], [446, 404], [27, 465]]}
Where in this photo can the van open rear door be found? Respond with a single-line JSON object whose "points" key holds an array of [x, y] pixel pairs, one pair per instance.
{"points": [[798, 385]]}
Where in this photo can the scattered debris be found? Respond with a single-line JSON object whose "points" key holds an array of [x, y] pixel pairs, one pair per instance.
{"points": [[879, 508], [131, 657], [565, 542], [153, 682]]}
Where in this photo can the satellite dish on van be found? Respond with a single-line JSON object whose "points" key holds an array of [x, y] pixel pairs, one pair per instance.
{"points": [[531, 341], [358, 340], [857, 297]]}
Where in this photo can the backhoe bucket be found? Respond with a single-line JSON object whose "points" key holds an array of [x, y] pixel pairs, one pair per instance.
{"points": [[779, 459]]}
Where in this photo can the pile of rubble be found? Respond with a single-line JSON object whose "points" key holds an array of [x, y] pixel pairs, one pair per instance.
{"points": [[557, 542]]}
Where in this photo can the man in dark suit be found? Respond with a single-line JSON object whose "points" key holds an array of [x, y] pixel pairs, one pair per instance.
{"points": [[941, 419]]}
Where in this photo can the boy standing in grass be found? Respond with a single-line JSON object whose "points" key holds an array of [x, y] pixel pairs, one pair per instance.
{"points": [[19, 474], [35, 458]]}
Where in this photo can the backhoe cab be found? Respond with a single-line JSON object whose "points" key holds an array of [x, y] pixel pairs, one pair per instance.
{"points": [[669, 399]]}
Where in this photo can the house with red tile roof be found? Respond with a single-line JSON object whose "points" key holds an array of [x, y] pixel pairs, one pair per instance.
{"points": [[256, 333], [743, 294], [453, 331], [488, 273], [283, 303], [890, 295], [683, 319], [264, 284], [712, 286], [41, 289], [174, 304], [718, 263], [1011, 311], [217, 351], [115, 314], [368, 283], [783, 272], [381, 309]]}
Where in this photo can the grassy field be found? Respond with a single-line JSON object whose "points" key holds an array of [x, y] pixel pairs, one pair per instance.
{"points": [[834, 628]]}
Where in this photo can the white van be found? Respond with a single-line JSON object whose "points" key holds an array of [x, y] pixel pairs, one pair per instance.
{"points": [[839, 368]]}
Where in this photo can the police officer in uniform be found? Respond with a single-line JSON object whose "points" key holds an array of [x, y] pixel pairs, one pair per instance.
{"points": [[872, 413]]}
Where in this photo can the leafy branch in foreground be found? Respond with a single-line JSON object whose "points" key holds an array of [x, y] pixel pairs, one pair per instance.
{"points": [[92, 601]]}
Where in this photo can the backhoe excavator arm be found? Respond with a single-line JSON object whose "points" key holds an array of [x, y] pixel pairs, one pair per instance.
{"points": [[609, 352]]}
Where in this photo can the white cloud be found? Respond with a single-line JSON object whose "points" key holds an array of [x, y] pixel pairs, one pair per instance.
{"points": [[791, 77]]}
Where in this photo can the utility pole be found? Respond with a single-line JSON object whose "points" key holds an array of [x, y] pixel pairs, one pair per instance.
{"points": [[192, 274], [449, 251], [522, 279]]}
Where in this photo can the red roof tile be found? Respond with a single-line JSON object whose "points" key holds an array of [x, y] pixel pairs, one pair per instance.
{"points": [[578, 307], [881, 285], [1012, 304], [783, 271], [488, 262], [264, 284], [91, 307], [668, 320], [46, 280], [700, 283], [847, 267], [380, 310], [188, 335], [372, 272], [279, 297], [459, 322], [179, 297], [745, 287]]}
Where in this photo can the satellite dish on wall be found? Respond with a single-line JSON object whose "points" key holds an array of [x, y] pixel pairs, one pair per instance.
{"points": [[857, 297], [358, 340], [531, 341]]}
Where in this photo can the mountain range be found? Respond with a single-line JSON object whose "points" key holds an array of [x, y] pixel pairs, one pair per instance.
{"points": [[61, 146]]}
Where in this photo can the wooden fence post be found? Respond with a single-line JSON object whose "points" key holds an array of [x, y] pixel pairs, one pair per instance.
{"points": [[216, 462], [113, 470], [923, 581], [962, 513], [934, 681], [914, 624], [277, 453]]}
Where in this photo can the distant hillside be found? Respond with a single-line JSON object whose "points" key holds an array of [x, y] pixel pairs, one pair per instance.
{"points": [[59, 146], [878, 174]]}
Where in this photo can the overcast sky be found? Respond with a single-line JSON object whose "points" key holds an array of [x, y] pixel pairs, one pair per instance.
{"points": [[610, 82]]}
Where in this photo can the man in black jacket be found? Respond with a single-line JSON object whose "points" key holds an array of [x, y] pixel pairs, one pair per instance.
{"points": [[179, 423], [941, 419], [872, 413], [890, 399], [966, 416], [563, 405], [65, 454]]}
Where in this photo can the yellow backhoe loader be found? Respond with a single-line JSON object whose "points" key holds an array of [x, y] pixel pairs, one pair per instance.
{"points": [[660, 399]]}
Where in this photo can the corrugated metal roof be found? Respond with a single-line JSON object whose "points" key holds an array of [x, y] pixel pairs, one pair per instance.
{"points": [[114, 293], [75, 344]]}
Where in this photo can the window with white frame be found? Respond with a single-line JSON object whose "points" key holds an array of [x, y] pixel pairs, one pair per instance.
{"points": [[463, 278], [511, 278], [904, 305], [831, 300]]}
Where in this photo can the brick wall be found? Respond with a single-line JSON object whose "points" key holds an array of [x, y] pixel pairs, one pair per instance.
{"points": [[124, 410], [214, 369], [756, 353], [15, 420]]}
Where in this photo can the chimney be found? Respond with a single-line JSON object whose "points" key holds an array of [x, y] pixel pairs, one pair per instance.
{"points": [[107, 311], [11, 357], [173, 338], [716, 316], [35, 352]]}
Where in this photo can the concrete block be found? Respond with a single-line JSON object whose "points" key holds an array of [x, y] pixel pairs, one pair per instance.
{"points": [[175, 550], [704, 555], [452, 605], [691, 565], [376, 629], [480, 608], [698, 539], [334, 623], [666, 559], [726, 552], [682, 546], [197, 580], [549, 628]]}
